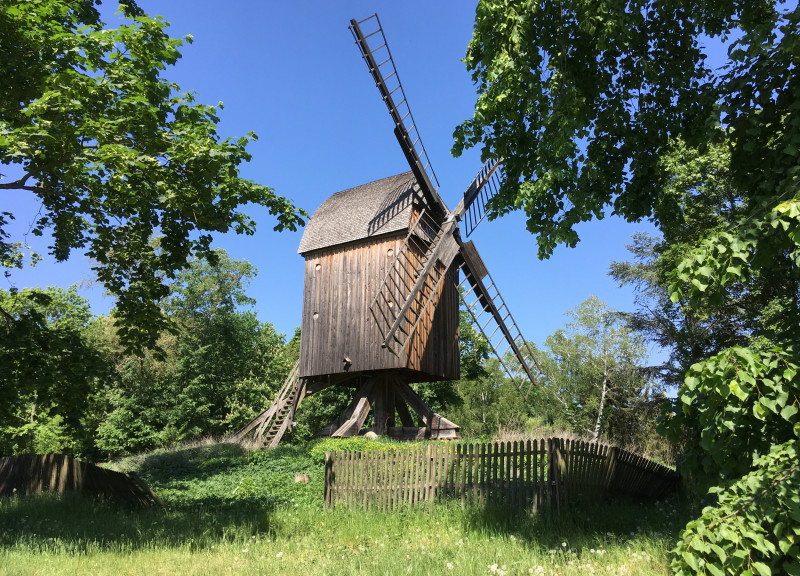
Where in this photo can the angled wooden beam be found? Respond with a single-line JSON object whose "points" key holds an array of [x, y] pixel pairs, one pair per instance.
{"points": [[402, 411], [438, 425], [364, 391], [356, 421]]}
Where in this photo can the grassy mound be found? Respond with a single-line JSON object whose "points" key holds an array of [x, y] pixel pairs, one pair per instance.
{"points": [[232, 511]]}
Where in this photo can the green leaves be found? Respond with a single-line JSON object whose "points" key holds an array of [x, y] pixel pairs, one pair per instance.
{"points": [[579, 100], [753, 526], [738, 403], [117, 154], [47, 368], [728, 258], [218, 369]]}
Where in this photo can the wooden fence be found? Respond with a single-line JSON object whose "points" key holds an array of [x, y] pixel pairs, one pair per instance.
{"points": [[536, 473], [29, 473]]}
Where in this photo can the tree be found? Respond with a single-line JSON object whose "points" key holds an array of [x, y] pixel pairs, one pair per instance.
{"points": [[230, 364], [115, 153], [217, 370], [42, 402], [752, 309], [584, 100], [595, 372]]}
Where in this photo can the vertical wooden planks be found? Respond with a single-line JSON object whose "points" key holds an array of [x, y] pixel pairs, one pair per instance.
{"points": [[326, 495], [539, 473]]}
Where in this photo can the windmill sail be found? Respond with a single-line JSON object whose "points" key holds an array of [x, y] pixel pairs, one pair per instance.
{"points": [[413, 280], [381, 66], [483, 188], [492, 317]]}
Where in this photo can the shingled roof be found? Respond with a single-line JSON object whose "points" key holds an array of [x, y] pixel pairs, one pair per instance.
{"points": [[368, 210]]}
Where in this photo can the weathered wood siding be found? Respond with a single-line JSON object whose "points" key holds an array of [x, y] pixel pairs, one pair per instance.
{"points": [[32, 473], [434, 347], [340, 285]]}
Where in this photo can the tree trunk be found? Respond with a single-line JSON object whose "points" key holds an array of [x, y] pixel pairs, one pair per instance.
{"points": [[596, 433]]}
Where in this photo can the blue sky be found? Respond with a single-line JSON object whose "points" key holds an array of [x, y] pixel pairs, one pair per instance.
{"points": [[290, 72]]}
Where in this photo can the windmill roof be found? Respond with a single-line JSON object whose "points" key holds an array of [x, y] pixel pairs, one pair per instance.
{"points": [[372, 209]]}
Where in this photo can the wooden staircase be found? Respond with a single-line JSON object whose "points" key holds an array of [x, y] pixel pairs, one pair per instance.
{"points": [[268, 428]]}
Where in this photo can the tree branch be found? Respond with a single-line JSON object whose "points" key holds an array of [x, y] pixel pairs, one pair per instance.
{"points": [[9, 319], [18, 184]]}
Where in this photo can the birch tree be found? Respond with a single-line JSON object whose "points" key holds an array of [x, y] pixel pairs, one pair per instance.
{"points": [[595, 368]]}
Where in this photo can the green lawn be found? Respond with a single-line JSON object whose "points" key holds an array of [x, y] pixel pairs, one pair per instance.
{"points": [[230, 512]]}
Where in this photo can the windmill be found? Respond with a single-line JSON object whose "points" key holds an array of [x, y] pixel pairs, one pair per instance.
{"points": [[381, 292]]}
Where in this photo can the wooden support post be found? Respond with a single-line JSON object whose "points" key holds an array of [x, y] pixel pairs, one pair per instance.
{"points": [[390, 405], [361, 404], [382, 407], [334, 426], [438, 426]]}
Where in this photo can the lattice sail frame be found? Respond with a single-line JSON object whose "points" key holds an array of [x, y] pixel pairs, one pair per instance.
{"points": [[411, 285], [493, 319], [383, 70]]}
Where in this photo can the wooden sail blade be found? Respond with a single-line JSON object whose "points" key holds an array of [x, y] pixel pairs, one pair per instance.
{"points": [[412, 283], [492, 317], [472, 208], [381, 65]]}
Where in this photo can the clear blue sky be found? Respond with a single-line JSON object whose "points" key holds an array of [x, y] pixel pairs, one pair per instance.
{"points": [[290, 72]]}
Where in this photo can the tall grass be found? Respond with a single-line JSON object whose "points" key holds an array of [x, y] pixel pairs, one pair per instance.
{"points": [[230, 511]]}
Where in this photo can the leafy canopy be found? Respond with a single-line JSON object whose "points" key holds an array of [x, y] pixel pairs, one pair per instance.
{"points": [[115, 153], [586, 101], [47, 366], [583, 99]]}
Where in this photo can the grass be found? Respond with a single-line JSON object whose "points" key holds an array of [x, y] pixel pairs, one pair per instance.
{"points": [[229, 511]]}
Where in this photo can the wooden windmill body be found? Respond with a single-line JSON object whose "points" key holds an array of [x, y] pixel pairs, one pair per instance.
{"points": [[381, 293], [350, 245]]}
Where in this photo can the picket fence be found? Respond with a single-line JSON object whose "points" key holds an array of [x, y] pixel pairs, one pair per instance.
{"points": [[32, 473], [541, 473]]}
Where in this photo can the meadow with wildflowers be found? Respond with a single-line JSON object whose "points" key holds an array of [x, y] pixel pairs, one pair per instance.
{"points": [[231, 511]]}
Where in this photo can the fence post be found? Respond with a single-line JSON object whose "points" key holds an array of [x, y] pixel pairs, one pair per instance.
{"points": [[557, 468], [610, 469], [429, 481], [328, 479]]}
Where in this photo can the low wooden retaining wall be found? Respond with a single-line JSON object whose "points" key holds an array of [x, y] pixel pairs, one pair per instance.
{"points": [[537, 473], [29, 473]]}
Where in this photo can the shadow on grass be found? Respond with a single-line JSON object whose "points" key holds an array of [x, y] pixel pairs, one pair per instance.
{"points": [[585, 524], [76, 524], [195, 463]]}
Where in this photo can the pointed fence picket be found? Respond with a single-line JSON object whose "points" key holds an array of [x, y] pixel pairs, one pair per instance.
{"points": [[540, 473]]}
